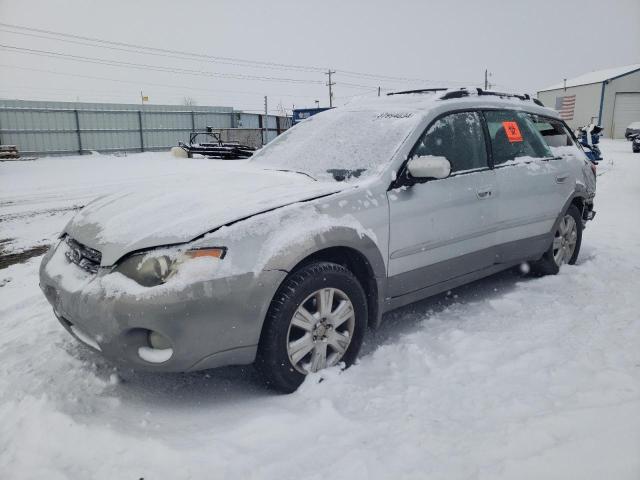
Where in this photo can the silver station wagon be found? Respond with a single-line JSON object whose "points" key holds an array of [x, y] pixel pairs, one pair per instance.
{"points": [[285, 259]]}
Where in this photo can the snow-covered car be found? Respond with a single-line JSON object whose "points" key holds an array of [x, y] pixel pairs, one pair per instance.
{"points": [[631, 130], [285, 259]]}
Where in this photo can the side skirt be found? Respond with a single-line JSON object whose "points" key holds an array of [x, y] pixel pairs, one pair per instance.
{"points": [[456, 272]]}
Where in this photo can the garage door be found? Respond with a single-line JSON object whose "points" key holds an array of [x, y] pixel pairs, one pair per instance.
{"points": [[626, 110]]}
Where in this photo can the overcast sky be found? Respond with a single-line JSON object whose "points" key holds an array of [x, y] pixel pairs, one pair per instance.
{"points": [[525, 45]]}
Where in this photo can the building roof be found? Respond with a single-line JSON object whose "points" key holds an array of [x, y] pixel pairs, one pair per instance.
{"points": [[595, 77]]}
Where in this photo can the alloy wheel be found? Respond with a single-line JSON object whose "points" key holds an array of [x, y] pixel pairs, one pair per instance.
{"points": [[564, 241], [320, 330]]}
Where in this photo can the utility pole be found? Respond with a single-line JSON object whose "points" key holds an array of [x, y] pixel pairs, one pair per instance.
{"points": [[330, 84], [565, 85], [266, 121], [487, 74]]}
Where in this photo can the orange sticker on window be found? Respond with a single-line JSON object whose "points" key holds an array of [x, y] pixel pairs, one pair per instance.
{"points": [[513, 131]]}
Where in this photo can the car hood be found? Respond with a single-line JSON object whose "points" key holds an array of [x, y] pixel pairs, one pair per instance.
{"points": [[178, 211]]}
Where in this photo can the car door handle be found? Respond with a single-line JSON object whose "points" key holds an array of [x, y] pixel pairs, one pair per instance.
{"points": [[484, 193], [561, 178]]}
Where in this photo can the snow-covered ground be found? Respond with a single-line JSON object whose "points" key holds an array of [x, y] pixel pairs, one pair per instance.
{"points": [[507, 378]]}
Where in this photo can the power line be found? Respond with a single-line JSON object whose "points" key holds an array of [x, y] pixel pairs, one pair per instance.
{"points": [[348, 73], [119, 63], [184, 55], [81, 40], [273, 65], [152, 84], [140, 50], [158, 68]]}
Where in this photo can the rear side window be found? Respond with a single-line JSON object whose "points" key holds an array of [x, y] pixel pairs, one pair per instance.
{"points": [[459, 138], [514, 136], [553, 132], [557, 136]]}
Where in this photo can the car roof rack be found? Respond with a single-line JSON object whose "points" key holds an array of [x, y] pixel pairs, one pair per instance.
{"points": [[420, 90], [464, 92]]}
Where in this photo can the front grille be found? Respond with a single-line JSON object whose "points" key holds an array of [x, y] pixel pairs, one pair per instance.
{"points": [[86, 258]]}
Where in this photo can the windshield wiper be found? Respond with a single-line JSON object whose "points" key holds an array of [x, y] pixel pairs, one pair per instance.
{"points": [[297, 171]]}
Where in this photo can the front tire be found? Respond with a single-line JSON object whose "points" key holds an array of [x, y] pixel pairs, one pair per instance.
{"points": [[565, 246], [316, 320]]}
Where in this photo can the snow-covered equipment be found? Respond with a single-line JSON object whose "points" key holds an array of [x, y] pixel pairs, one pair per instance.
{"points": [[9, 152], [635, 142], [223, 150], [589, 137]]}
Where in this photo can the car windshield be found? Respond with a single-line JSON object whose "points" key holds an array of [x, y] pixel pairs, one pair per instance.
{"points": [[339, 144]]}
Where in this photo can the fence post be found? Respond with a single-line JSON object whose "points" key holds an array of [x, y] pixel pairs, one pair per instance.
{"points": [[78, 131], [193, 121], [278, 128], [263, 133], [141, 133]]}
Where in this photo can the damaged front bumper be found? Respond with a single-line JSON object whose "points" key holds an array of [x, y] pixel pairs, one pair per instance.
{"points": [[206, 324]]}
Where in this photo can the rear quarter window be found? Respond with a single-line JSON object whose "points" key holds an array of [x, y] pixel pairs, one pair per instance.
{"points": [[556, 135]]}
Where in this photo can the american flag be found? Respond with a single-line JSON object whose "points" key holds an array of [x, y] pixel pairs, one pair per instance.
{"points": [[565, 106]]}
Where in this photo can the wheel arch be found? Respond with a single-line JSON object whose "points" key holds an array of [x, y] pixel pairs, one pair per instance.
{"points": [[345, 246], [359, 265], [578, 201], [577, 198]]}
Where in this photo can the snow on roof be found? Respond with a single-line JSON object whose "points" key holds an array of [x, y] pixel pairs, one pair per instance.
{"points": [[595, 77]]}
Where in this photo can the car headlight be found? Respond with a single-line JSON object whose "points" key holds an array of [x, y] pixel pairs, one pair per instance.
{"points": [[150, 269]]}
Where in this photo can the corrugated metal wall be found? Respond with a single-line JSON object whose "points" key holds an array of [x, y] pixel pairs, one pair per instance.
{"points": [[57, 128]]}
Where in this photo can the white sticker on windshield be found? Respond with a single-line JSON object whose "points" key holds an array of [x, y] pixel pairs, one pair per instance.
{"points": [[395, 115]]}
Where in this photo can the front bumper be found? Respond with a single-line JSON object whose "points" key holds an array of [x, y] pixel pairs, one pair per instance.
{"points": [[208, 323]]}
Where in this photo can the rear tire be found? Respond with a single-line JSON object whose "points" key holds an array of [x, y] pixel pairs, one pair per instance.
{"points": [[317, 319], [565, 246]]}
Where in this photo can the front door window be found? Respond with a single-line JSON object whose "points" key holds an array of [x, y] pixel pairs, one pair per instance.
{"points": [[459, 138], [514, 136]]}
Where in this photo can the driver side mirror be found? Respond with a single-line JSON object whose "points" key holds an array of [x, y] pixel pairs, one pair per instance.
{"points": [[429, 167]]}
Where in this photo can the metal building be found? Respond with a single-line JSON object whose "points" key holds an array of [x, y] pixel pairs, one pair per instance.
{"points": [[610, 98], [67, 128]]}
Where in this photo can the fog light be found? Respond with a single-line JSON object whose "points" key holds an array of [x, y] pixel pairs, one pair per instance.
{"points": [[158, 341], [155, 355], [159, 349]]}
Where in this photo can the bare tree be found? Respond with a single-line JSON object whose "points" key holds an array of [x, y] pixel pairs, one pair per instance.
{"points": [[189, 102]]}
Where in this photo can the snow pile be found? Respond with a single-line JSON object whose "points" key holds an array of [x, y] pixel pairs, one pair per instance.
{"points": [[509, 377]]}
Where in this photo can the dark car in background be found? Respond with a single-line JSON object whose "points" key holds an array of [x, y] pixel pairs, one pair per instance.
{"points": [[632, 129]]}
